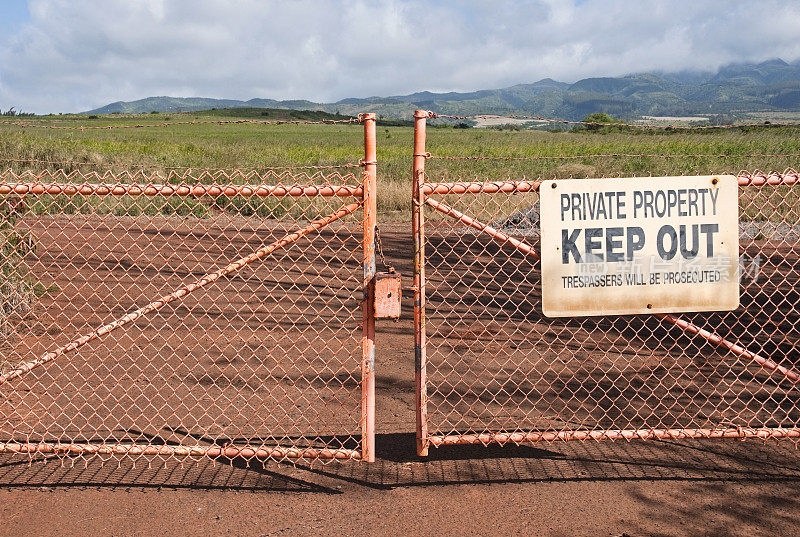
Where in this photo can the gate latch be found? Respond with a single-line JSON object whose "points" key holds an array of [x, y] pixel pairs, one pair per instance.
{"points": [[388, 292]]}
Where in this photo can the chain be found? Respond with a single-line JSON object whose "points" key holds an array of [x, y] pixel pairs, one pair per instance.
{"points": [[379, 247]]}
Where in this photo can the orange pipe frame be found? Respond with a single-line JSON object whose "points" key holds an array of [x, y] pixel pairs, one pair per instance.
{"points": [[769, 179], [686, 326], [198, 191], [276, 452], [470, 187], [418, 231], [733, 347], [462, 187], [368, 306], [180, 293], [615, 434]]}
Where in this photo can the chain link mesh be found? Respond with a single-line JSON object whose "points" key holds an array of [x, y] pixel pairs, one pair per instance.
{"points": [[499, 371], [218, 316]]}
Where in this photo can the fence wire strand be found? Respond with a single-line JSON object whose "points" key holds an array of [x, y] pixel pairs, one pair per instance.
{"points": [[434, 115], [611, 155], [184, 177], [460, 185], [348, 121], [189, 169]]}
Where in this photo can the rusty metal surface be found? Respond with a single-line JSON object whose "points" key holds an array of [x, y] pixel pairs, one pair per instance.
{"points": [[418, 231], [388, 292], [368, 303]]}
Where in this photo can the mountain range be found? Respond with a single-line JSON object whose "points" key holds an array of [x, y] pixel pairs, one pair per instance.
{"points": [[732, 90]]}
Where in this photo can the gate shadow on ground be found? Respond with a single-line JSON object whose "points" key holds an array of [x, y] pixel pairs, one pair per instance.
{"points": [[399, 466], [705, 462], [149, 473]]}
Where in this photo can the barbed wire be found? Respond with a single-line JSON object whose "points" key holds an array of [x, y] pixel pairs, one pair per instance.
{"points": [[79, 164], [755, 177], [108, 177], [194, 122], [434, 115], [612, 155]]}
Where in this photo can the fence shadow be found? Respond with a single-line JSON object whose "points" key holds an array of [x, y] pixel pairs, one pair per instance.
{"points": [[704, 461], [700, 460], [150, 473]]}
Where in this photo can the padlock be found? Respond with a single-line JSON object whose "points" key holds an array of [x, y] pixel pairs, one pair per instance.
{"points": [[388, 292]]}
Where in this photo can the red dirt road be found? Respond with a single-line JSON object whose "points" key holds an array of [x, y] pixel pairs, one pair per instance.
{"points": [[555, 509]]}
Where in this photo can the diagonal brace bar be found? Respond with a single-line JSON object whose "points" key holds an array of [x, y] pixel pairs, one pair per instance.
{"points": [[493, 232], [712, 337], [686, 326], [180, 293]]}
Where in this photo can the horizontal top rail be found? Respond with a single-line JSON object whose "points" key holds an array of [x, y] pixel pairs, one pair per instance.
{"points": [[89, 189], [756, 178], [477, 187], [788, 177]]}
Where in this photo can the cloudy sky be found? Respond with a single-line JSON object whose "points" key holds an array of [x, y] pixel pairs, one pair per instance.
{"points": [[73, 55]]}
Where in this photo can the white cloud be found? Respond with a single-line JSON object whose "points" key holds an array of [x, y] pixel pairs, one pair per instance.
{"points": [[79, 54]]}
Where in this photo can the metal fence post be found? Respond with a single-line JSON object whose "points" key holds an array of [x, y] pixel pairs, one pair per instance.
{"points": [[368, 338], [417, 228]]}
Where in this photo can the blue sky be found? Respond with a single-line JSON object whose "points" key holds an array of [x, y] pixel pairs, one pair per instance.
{"points": [[12, 14], [74, 55]]}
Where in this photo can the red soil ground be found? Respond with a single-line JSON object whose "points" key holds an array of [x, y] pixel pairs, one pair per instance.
{"points": [[659, 488]]}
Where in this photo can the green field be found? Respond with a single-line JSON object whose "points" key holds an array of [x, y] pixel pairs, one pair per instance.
{"points": [[254, 145]]}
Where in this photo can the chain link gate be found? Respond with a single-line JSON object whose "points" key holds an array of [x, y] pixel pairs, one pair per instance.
{"points": [[490, 368], [206, 313]]}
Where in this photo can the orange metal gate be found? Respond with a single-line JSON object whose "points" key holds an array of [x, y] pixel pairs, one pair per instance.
{"points": [[231, 314], [490, 368], [205, 313]]}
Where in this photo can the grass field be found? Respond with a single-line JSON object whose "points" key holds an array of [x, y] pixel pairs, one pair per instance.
{"points": [[254, 145]]}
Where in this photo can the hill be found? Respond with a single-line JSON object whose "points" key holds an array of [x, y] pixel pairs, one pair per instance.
{"points": [[733, 90]]}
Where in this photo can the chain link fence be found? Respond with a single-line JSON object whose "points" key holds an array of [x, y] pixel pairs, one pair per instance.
{"points": [[491, 368], [497, 370], [217, 316]]}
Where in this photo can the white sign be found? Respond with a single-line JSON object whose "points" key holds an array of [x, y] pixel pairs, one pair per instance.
{"points": [[639, 245]]}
